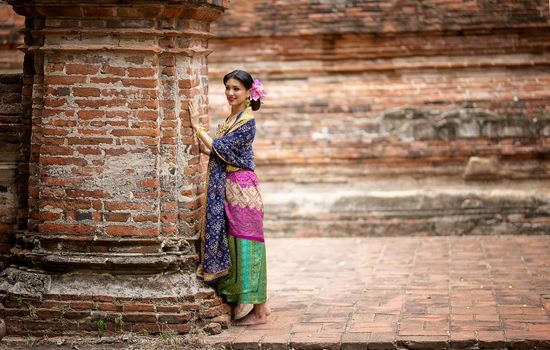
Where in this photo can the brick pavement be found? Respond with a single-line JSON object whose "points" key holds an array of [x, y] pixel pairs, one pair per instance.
{"points": [[404, 292]]}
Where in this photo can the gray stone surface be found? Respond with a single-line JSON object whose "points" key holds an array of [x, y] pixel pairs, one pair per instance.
{"points": [[469, 122], [405, 206], [24, 283]]}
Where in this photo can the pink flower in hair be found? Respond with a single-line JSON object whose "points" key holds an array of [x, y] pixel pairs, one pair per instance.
{"points": [[257, 91]]}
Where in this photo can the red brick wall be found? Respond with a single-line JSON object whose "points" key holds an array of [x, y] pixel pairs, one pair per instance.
{"points": [[396, 87], [286, 17]]}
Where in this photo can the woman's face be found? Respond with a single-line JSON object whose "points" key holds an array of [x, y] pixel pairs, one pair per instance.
{"points": [[235, 92]]}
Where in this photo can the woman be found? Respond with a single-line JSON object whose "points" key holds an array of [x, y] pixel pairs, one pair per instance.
{"points": [[232, 248]]}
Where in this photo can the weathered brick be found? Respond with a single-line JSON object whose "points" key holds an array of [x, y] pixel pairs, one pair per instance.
{"points": [[81, 69], [56, 150], [139, 308], [140, 327], [81, 305], [86, 92], [174, 317], [109, 307], [135, 59], [48, 216], [86, 150], [63, 123], [110, 70], [139, 12], [127, 206], [54, 67], [148, 115], [140, 317], [63, 161], [214, 311], [117, 217], [144, 218], [66, 229], [138, 104], [96, 11], [90, 114], [141, 72], [121, 231], [63, 80], [105, 80], [76, 315], [168, 308], [54, 102], [114, 102], [140, 83], [89, 140], [135, 132]]}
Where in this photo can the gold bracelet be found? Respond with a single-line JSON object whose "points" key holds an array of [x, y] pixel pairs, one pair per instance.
{"points": [[198, 132]]}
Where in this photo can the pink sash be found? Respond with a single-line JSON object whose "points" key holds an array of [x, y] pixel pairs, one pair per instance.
{"points": [[243, 205]]}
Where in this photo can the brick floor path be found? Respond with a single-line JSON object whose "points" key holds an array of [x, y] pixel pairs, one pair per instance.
{"points": [[404, 292]]}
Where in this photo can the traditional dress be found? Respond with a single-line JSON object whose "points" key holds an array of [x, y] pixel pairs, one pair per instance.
{"points": [[232, 248]]}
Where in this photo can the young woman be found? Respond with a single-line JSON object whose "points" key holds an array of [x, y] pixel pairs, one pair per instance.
{"points": [[232, 248]]}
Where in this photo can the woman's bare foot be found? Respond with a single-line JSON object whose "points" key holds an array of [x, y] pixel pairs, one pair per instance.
{"points": [[250, 320], [241, 310], [257, 316]]}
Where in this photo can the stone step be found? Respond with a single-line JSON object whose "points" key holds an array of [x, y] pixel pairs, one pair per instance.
{"points": [[403, 206]]}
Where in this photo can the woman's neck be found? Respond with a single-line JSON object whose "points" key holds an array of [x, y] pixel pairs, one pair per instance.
{"points": [[237, 109]]}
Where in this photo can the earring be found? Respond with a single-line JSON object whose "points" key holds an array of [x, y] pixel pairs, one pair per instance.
{"points": [[247, 102]]}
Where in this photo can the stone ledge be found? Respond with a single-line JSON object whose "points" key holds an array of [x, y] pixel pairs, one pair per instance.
{"points": [[400, 206]]}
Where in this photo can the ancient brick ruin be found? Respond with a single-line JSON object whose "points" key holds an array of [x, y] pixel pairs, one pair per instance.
{"points": [[396, 117], [114, 173], [384, 118], [11, 59]]}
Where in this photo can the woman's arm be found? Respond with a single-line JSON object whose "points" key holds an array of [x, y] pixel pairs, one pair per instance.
{"points": [[203, 149], [201, 134], [200, 131]]}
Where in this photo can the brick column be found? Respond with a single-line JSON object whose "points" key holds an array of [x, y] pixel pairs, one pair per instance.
{"points": [[114, 195]]}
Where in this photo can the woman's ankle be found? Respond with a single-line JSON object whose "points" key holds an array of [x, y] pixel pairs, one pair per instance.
{"points": [[260, 310]]}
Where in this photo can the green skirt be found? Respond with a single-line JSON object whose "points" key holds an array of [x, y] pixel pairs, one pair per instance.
{"points": [[247, 281]]}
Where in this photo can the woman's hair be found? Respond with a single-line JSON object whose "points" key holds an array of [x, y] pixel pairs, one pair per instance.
{"points": [[246, 79]]}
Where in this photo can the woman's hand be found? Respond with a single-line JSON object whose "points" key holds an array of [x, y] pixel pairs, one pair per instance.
{"points": [[194, 114], [195, 123]]}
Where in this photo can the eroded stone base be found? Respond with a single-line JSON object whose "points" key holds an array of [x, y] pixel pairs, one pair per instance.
{"points": [[89, 304]]}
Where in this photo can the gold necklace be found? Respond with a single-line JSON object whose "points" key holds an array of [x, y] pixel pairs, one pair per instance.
{"points": [[228, 123]]}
